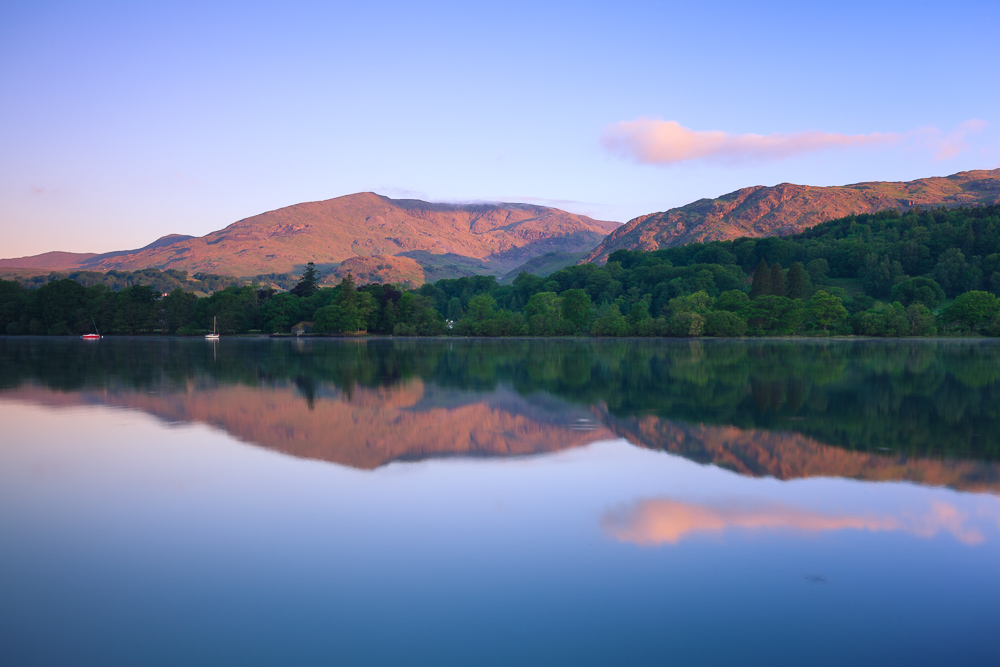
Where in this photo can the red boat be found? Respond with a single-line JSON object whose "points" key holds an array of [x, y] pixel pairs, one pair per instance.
{"points": [[92, 336]]}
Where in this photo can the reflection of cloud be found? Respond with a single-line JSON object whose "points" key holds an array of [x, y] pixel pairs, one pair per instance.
{"points": [[659, 521], [653, 141], [948, 518]]}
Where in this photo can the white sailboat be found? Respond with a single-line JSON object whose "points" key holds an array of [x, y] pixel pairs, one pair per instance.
{"points": [[215, 331]]}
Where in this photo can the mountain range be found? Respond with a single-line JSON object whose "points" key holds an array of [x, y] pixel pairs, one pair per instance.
{"points": [[409, 241], [788, 209], [390, 238]]}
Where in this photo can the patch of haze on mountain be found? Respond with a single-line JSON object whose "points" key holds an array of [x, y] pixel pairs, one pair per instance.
{"points": [[594, 210]]}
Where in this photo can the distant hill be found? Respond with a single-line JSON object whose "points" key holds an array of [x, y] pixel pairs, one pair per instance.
{"points": [[544, 265], [379, 269], [441, 238], [62, 261], [788, 209]]}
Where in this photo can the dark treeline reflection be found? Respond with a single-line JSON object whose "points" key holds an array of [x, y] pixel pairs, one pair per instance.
{"points": [[925, 398]]}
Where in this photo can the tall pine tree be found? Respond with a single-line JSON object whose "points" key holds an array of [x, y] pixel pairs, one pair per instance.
{"points": [[761, 280], [308, 283], [798, 281], [777, 280]]}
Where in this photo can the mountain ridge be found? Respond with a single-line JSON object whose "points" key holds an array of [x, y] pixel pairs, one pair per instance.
{"points": [[788, 208], [494, 238]]}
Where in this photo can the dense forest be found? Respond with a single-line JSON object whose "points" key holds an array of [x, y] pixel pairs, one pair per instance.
{"points": [[921, 273]]}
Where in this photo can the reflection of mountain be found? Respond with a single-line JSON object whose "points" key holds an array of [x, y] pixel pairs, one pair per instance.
{"points": [[370, 428], [415, 420], [925, 399], [788, 455]]}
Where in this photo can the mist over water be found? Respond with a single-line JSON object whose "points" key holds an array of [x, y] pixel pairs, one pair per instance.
{"points": [[254, 501]]}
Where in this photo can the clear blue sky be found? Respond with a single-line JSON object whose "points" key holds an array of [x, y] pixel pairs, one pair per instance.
{"points": [[124, 121]]}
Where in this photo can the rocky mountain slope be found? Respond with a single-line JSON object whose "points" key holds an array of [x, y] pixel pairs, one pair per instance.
{"points": [[462, 239], [788, 209]]}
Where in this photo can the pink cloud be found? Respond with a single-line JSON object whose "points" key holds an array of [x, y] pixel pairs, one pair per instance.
{"points": [[652, 141], [666, 521], [947, 146]]}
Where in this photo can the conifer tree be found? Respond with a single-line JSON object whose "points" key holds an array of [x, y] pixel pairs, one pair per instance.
{"points": [[798, 281], [308, 283], [348, 295], [777, 280], [761, 280]]}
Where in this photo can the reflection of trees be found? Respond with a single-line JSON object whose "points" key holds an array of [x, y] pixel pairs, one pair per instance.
{"points": [[914, 397]]}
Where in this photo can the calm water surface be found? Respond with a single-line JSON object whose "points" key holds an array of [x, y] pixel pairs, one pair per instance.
{"points": [[168, 502]]}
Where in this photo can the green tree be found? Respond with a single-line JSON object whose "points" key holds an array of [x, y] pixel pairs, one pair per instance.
{"points": [[778, 287], [279, 313], [798, 282], [761, 280], [735, 301], [776, 315], [818, 269], [309, 282], [478, 316], [884, 319], [724, 323], [687, 324], [178, 309], [610, 322], [825, 309], [699, 302], [415, 315], [973, 309], [577, 308], [13, 306], [921, 320], [481, 308], [59, 307], [134, 310], [543, 312], [455, 312], [918, 290], [954, 274], [350, 311], [231, 307], [879, 274], [638, 318]]}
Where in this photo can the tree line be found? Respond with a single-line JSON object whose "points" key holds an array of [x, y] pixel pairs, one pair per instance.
{"points": [[886, 274], [160, 280]]}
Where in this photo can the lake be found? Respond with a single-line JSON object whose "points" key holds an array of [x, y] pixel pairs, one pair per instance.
{"points": [[528, 502]]}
